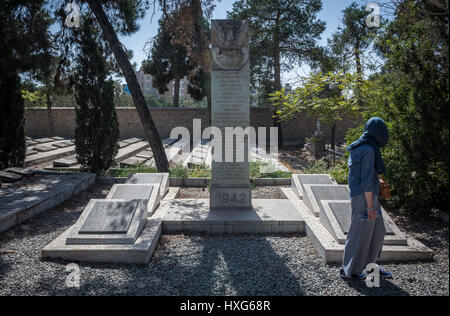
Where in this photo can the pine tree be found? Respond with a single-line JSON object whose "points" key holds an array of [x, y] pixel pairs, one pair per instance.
{"points": [[97, 127], [167, 62]]}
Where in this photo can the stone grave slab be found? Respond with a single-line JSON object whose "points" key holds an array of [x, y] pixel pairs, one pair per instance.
{"points": [[21, 172], [123, 144], [64, 163], [31, 152], [298, 180], [335, 216], [152, 178], [106, 222], [43, 148], [146, 193], [145, 155], [31, 143], [131, 140], [168, 141], [314, 193], [9, 177], [332, 251], [132, 161], [58, 138], [43, 140], [63, 144]]}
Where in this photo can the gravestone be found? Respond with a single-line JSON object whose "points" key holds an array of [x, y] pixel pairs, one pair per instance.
{"points": [[109, 217], [299, 180], [230, 81], [152, 178], [109, 222], [146, 193], [342, 212], [43, 148]]}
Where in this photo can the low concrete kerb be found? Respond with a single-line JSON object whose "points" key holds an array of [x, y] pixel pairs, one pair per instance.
{"points": [[199, 182]]}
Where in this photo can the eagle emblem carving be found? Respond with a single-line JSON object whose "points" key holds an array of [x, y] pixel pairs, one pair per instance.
{"points": [[229, 44]]}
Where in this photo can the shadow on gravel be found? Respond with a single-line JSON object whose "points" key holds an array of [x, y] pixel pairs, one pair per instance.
{"points": [[258, 271], [387, 288]]}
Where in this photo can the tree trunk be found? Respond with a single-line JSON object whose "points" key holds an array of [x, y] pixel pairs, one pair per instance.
{"points": [[176, 93], [359, 71], [277, 86], [150, 130], [333, 142], [51, 125]]}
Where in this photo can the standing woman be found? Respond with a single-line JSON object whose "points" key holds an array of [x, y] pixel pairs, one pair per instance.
{"points": [[367, 231]]}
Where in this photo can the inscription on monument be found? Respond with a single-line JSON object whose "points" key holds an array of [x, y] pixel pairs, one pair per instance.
{"points": [[230, 79]]}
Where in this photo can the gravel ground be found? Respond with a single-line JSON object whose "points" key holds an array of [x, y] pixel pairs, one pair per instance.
{"points": [[267, 192], [208, 265]]}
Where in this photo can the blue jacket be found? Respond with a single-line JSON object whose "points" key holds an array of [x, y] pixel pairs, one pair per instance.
{"points": [[363, 176]]}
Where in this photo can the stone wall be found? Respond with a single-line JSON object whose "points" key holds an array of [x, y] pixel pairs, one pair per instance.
{"points": [[294, 131]]}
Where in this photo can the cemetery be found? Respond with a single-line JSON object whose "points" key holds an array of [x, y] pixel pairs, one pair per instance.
{"points": [[244, 205]]}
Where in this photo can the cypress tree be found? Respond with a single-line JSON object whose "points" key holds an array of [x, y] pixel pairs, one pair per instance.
{"points": [[24, 49], [12, 121], [97, 127]]}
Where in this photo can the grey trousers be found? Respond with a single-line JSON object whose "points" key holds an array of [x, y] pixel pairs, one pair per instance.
{"points": [[365, 238]]}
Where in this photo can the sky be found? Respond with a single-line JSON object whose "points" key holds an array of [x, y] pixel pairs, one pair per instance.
{"points": [[331, 13]]}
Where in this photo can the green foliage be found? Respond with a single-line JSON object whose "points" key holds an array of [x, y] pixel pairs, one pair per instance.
{"points": [[97, 127], [340, 172], [34, 99], [255, 172], [349, 44], [24, 51], [167, 61], [320, 166], [327, 96], [414, 104], [12, 121], [282, 34]]}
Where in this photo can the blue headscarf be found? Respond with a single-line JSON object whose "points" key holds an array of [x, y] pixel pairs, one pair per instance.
{"points": [[376, 135]]}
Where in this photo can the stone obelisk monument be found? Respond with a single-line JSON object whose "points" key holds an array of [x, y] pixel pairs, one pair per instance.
{"points": [[230, 80]]}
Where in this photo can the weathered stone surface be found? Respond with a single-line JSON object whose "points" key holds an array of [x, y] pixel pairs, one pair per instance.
{"points": [[43, 148], [39, 196], [230, 183], [266, 216], [298, 180], [132, 161], [63, 144], [21, 172], [43, 140], [145, 154], [8, 177], [132, 192], [152, 178], [109, 217], [343, 213], [64, 163], [149, 194]]}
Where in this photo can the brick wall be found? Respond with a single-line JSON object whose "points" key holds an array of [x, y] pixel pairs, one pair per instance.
{"points": [[166, 119]]}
